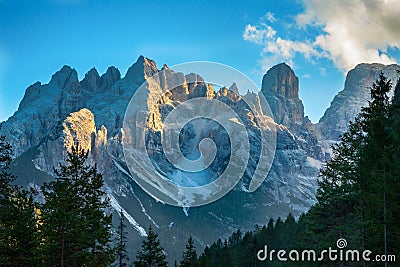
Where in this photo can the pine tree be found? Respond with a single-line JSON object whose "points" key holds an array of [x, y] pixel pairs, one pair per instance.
{"points": [[248, 250], [391, 157], [396, 95], [152, 253], [122, 254], [235, 238], [337, 212], [189, 257], [75, 228], [374, 169], [205, 259], [225, 256], [354, 190], [18, 232], [290, 229]]}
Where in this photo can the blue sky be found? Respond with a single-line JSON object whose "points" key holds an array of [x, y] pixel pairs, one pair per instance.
{"points": [[320, 41]]}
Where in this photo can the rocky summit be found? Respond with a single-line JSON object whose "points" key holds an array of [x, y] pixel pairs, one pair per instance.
{"points": [[347, 103], [281, 88], [51, 117]]}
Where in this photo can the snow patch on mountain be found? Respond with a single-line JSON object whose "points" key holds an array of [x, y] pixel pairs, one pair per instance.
{"points": [[118, 208]]}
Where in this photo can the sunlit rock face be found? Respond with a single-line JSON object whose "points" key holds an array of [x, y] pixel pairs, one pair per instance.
{"points": [[77, 129], [51, 117]]}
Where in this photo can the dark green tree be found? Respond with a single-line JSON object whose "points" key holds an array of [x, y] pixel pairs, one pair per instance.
{"points": [[75, 228], [235, 238], [18, 231], [374, 168], [152, 253], [189, 256], [205, 259], [247, 250], [226, 259], [337, 212], [355, 186], [392, 171], [121, 252]]}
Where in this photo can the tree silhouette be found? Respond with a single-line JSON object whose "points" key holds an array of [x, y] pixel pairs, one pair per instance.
{"points": [[18, 232], [122, 254], [152, 253], [75, 228], [189, 256]]}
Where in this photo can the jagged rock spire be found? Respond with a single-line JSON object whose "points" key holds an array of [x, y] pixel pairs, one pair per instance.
{"points": [[280, 87]]}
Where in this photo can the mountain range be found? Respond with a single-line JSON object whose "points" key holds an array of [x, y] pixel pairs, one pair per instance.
{"points": [[51, 117]]}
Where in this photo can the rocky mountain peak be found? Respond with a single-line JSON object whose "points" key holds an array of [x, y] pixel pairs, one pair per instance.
{"points": [[65, 112], [367, 73], [31, 94], [280, 87], [141, 69], [111, 76], [165, 67], [281, 80], [234, 88], [92, 73], [356, 93], [66, 75], [91, 80]]}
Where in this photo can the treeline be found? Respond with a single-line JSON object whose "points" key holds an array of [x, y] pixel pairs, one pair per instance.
{"points": [[241, 249]]}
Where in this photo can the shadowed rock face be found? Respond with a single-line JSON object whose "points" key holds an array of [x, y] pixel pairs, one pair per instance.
{"points": [[282, 81], [91, 80], [53, 116], [348, 102], [280, 87]]}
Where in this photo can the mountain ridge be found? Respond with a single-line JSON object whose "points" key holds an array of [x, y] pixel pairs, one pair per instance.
{"points": [[52, 116]]}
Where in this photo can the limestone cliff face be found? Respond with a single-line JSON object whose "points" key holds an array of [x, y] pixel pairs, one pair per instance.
{"points": [[280, 87], [175, 83], [91, 80], [90, 112], [54, 116], [42, 107], [78, 128], [142, 69], [347, 103]]}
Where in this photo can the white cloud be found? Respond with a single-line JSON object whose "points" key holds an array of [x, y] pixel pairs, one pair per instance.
{"points": [[258, 34], [270, 17], [351, 32], [354, 31], [322, 71], [276, 49]]}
